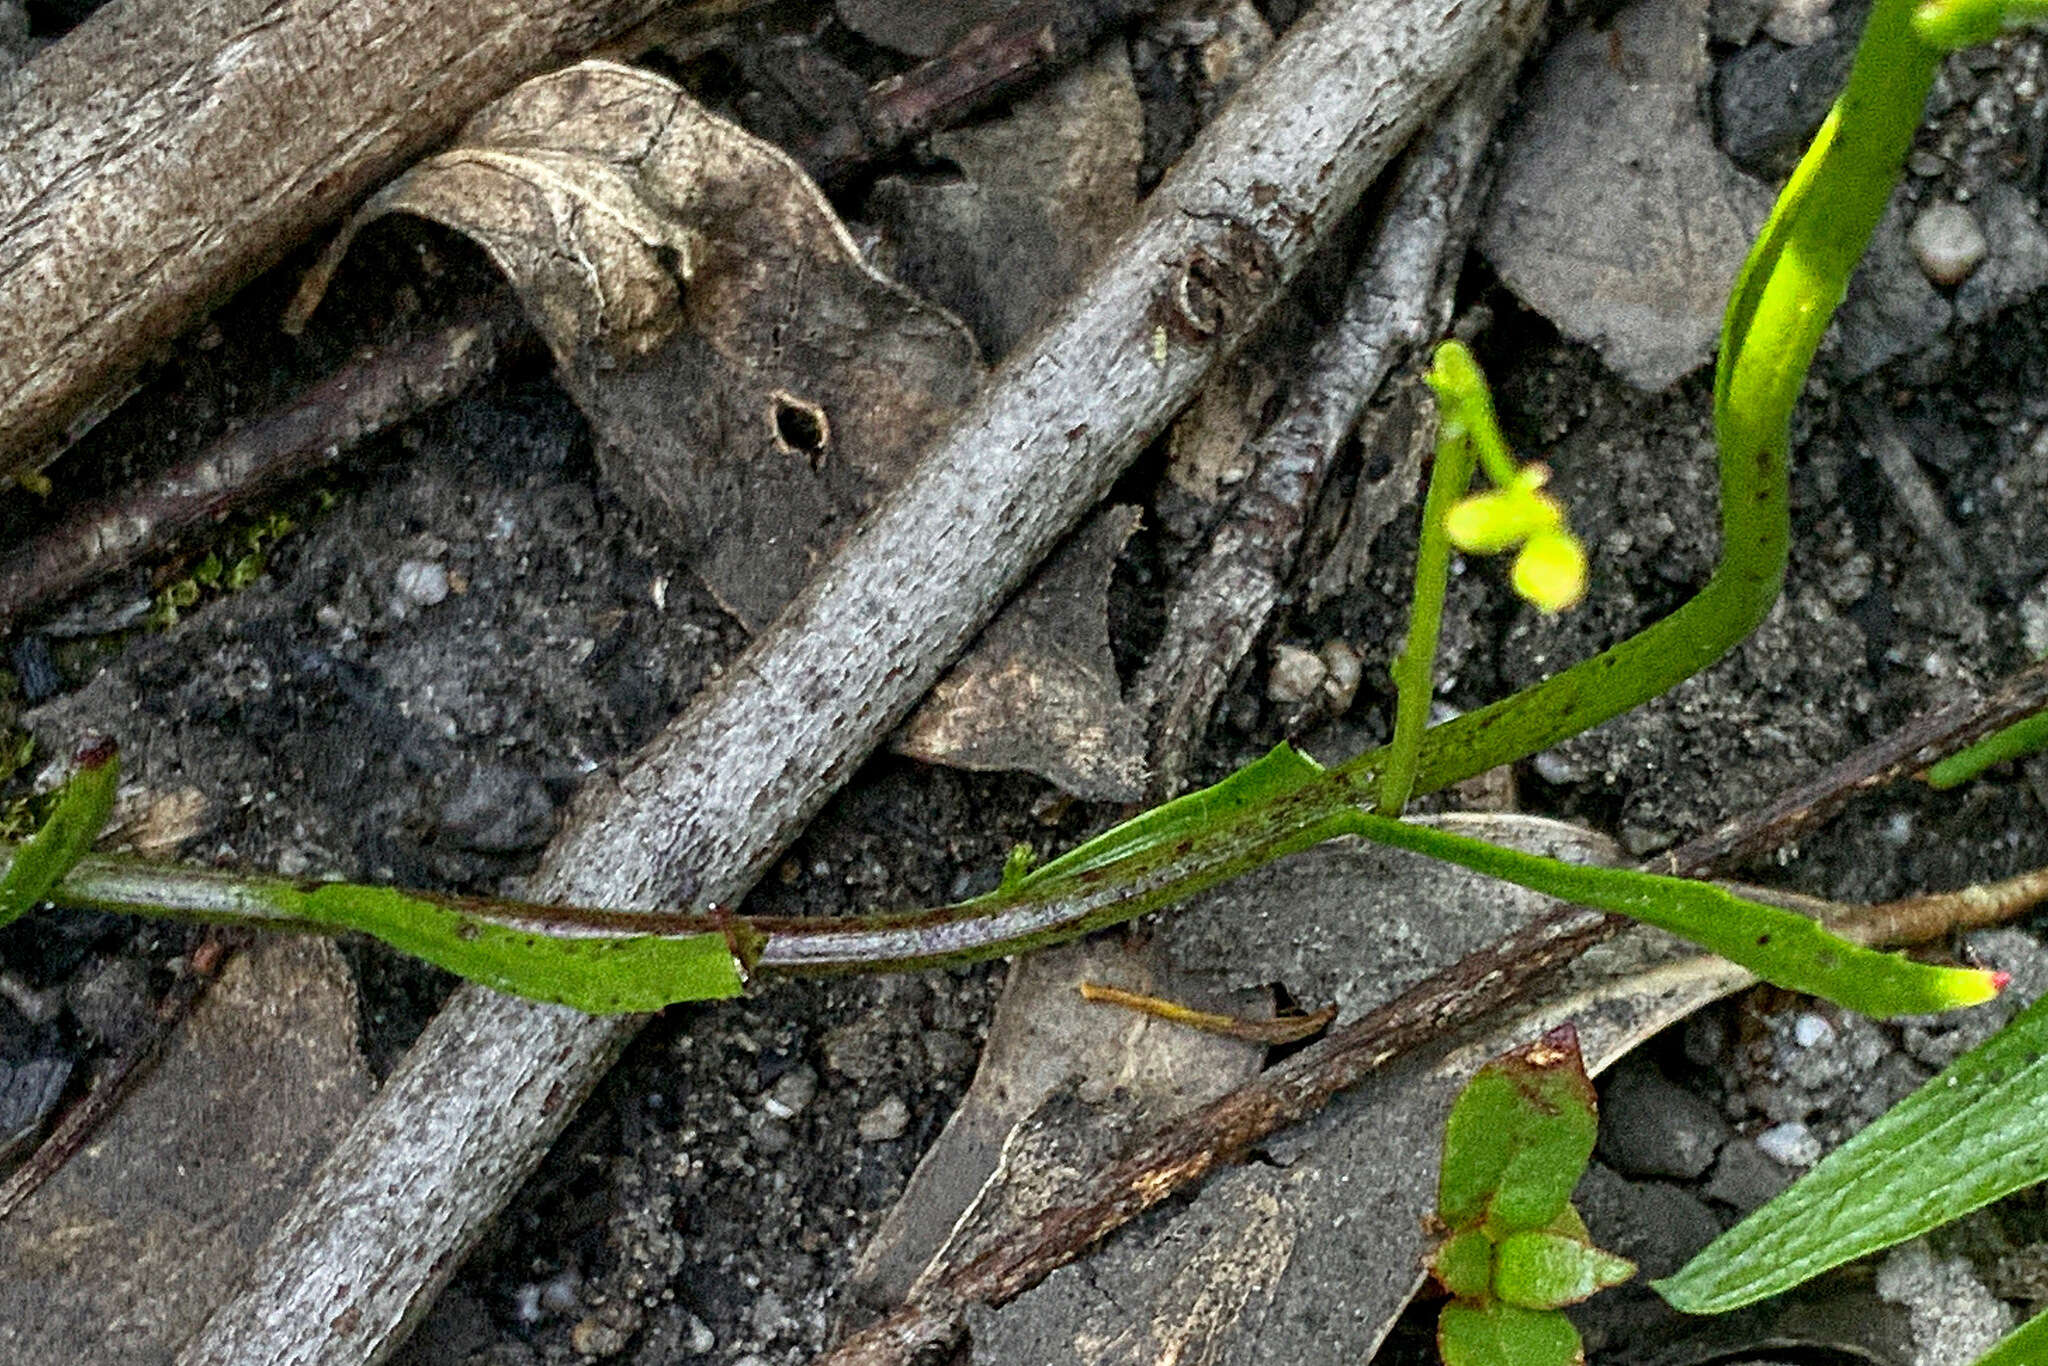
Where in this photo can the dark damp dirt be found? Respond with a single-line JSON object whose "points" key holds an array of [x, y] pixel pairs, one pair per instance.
{"points": [[446, 642]]}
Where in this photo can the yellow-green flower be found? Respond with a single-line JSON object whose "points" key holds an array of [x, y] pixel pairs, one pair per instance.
{"points": [[1551, 570]]}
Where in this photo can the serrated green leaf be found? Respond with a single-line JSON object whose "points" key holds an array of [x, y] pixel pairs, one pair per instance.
{"points": [[1505, 1335], [41, 862], [1779, 946], [1518, 1138], [603, 976], [1976, 1132], [2026, 1345], [1537, 1269], [1464, 1264]]}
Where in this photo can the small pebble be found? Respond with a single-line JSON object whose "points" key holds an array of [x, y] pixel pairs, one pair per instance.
{"points": [[1790, 1144], [1744, 1178], [593, 1337], [701, 1339], [1552, 766], [1345, 668], [770, 1315], [421, 583], [1799, 23], [792, 1093], [1812, 1031], [1296, 674], [771, 1136], [1947, 243], [559, 1294], [886, 1121]]}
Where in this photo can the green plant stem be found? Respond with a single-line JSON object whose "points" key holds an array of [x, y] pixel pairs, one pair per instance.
{"points": [[2016, 741], [1785, 296], [610, 961], [1415, 666]]}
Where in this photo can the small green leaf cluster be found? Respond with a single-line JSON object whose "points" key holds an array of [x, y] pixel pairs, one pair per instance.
{"points": [[232, 564], [1513, 1250]]}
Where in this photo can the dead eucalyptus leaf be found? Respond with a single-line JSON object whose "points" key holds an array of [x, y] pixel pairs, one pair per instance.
{"points": [[1038, 691], [753, 384]]}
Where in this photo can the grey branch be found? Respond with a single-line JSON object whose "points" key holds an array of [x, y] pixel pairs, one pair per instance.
{"points": [[705, 807]]}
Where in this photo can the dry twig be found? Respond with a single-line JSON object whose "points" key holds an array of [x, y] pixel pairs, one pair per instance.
{"points": [[1398, 299]]}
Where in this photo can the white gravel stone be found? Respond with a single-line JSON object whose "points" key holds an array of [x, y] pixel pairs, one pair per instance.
{"points": [[1296, 674], [1791, 1144], [421, 583], [1811, 1030], [1947, 243], [886, 1121]]}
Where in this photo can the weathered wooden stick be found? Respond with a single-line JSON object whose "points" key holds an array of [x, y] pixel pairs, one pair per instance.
{"points": [[163, 153], [705, 807], [1398, 299], [317, 430]]}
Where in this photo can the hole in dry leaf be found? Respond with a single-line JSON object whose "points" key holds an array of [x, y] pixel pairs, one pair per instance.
{"points": [[801, 428]]}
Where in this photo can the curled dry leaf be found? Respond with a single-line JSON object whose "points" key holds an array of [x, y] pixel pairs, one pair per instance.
{"points": [[754, 386], [1039, 691]]}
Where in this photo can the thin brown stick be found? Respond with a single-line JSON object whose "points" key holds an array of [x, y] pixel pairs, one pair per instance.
{"points": [[1921, 741], [993, 62], [311, 433], [84, 1119], [1923, 919], [1274, 1031], [1190, 1148]]}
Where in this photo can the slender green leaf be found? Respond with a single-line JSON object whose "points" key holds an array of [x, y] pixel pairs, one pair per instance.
{"points": [[604, 976], [1777, 945], [1974, 1133], [2026, 1345], [41, 861], [1504, 1335], [2016, 741], [1538, 1269], [1258, 784], [1518, 1138]]}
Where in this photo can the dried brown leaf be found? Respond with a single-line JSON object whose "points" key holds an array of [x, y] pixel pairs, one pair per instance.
{"points": [[754, 385]]}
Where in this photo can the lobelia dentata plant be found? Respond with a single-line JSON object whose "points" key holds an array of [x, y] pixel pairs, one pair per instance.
{"points": [[605, 961]]}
